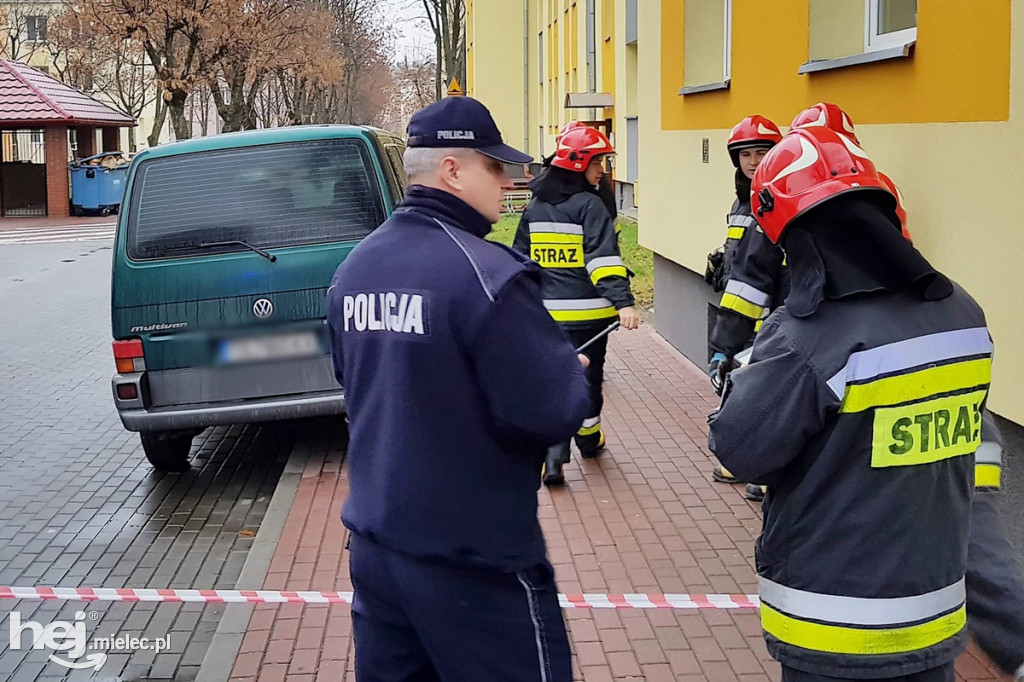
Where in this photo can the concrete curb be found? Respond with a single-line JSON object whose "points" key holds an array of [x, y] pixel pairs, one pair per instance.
{"points": [[220, 657]]}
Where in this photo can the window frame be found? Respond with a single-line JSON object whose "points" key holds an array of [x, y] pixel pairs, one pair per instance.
{"points": [[727, 42], [726, 71], [393, 151], [133, 249], [875, 41], [32, 25]]}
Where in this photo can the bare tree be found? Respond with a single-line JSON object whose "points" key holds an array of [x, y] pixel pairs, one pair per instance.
{"points": [[249, 41], [24, 27], [412, 88], [354, 90], [170, 33], [447, 20]]}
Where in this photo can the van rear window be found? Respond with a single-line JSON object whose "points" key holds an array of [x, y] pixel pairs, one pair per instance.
{"points": [[269, 196]]}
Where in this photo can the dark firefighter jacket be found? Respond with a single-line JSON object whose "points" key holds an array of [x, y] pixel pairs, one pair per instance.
{"points": [[861, 410], [572, 236]]}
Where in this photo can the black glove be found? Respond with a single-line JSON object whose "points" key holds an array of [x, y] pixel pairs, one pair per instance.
{"points": [[714, 270]]}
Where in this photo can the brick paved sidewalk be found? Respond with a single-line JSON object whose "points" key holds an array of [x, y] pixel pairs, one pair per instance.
{"points": [[642, 518]]}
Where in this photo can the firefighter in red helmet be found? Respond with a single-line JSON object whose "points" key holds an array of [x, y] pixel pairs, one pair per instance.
{"points": [[869, 389], [752, 278], [995, 589], [832, 116], [569, 232]]}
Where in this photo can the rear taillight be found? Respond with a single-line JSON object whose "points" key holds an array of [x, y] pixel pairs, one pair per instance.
{"points": [[127, 392], [128, 356]]}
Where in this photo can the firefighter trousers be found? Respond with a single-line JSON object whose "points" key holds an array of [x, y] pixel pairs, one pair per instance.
{"points": [[588, 438], [943, 673]]}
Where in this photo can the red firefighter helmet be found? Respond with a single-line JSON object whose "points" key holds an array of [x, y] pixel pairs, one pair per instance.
{"points": [[753, 132], [578, 146], [809, 166], [571, 125], [901, 212], [828, 115]]}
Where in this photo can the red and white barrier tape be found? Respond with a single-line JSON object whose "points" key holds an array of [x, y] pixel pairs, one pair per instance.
{"points": [[567, 601]]}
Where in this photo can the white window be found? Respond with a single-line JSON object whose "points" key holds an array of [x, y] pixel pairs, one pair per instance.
{"points": [[727, 42], [707, 43], [889, 23]]}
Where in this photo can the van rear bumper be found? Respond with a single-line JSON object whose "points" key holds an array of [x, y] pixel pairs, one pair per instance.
{"points": [[241, 412]]}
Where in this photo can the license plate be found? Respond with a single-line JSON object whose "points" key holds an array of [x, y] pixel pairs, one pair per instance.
{"points": [[276, 347]]}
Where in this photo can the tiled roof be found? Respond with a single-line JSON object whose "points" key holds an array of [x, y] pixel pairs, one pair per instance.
{"points": [[30, 96]]}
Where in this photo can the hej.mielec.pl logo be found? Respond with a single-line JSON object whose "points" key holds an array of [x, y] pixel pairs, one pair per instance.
{"points": [[69, 641]]}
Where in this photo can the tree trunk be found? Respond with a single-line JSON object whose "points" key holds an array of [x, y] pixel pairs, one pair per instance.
{"points": [[132, 145], [439, 62], [160, 117], [176, 108]]}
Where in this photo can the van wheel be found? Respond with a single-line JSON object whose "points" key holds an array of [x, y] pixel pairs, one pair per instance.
{"points": [[167, 450]]}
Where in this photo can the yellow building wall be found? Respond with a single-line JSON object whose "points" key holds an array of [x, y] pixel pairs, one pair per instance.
{"points": [[494, 70], [496, 74], [945, 124], [959, 70]]}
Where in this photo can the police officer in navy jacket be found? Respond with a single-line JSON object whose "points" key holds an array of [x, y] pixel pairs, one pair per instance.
{"points": [[457, 380]]}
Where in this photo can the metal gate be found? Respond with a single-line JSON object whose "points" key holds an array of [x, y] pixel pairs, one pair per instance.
{"points": [[23, 173]]}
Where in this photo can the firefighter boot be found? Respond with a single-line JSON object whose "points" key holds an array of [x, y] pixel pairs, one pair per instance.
{"points": [[755, 493], [723, 475], [557, 457], [591, 444]]}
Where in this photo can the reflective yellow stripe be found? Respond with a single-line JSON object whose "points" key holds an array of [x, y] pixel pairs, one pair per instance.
{"points": [[918, 385], [837, 639], [757, 325], [583, 315], [557, 255], [987, 475], [736, 232], [538, 238], [927, 432], [588, 430], [744, 308], [610, 271]]}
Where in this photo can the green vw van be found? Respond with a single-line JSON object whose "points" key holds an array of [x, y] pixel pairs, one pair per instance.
{"points": [[224, 251]]}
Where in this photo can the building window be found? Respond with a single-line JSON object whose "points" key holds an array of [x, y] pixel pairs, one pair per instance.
{"points": [[848, 28], [889, 23], [631, 22], [707, 42], [632, 149], [540, 56], [36, 29]]}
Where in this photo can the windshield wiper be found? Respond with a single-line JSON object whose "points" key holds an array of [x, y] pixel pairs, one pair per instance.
{"points": [[233, 242]]}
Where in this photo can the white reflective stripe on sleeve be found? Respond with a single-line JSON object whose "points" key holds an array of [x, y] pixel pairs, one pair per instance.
{"points": [[593, 421], [559, 228], [989, 453], [740, 220], [923, 350], [830, 608], [603, 262], [747, 293], [576, 303]]}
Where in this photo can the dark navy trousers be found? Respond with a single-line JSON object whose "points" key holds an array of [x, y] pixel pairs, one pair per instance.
{"points": [[944, 673], [423, 621]]}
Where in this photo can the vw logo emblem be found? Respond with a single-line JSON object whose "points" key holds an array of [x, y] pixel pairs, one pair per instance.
{"points": [[263, 308]]}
